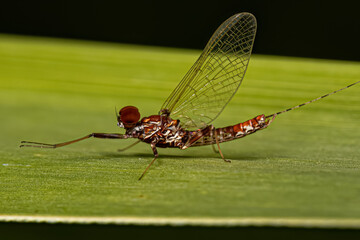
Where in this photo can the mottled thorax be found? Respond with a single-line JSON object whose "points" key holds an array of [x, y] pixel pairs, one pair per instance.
{"points": [[162, 130]]}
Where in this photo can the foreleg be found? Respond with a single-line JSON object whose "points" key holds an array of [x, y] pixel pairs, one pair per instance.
{"points": [[95, 135]]}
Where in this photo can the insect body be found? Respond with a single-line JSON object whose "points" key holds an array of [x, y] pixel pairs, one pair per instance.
{"points": [[185, 118], [167, 133]]}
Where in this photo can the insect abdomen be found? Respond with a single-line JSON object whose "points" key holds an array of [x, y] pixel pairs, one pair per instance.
{"points": [[233, 132], [248, 127]]}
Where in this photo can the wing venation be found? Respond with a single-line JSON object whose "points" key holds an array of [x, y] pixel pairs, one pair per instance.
{"points": [[215, 77]]}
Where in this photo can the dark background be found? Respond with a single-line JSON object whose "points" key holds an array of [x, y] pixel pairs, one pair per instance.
{"points": [[317, 28], [40, 231]]}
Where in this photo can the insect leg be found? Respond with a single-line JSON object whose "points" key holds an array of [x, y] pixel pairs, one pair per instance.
{"points": [[95, 135], [153, 147], [199, 134], [130, 146], [208, 131], [217, 143], [213, 147]]}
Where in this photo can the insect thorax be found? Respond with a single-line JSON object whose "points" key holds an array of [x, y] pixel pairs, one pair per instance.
{"points": [[162, 130]]}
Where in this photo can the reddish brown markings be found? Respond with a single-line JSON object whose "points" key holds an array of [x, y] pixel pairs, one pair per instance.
{"points": [[145, 120], [254, 123], [260, 118], [249, 123], [238, 127]]}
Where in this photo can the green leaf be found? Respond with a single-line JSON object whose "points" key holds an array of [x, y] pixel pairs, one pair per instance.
{"points": [[304, 167]]}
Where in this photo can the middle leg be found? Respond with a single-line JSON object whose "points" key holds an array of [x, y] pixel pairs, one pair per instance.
{"points": [[153, 147]]}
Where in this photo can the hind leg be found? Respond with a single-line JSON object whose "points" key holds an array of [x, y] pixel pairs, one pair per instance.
{"points": [[208, 131], [217, 143]]}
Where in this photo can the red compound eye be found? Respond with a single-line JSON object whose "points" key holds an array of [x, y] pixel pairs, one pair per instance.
{"points": [[129, 115]]}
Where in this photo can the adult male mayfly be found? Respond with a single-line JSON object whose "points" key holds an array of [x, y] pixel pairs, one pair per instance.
{"points": [[185, 118]]}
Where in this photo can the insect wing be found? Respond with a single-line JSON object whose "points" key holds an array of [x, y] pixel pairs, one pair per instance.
{"points": [[215, 77]]}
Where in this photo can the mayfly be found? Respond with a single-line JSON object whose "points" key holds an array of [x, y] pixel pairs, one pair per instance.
{"points": [[185, 117]]}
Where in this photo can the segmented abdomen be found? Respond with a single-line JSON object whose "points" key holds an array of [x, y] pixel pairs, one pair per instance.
{"points": [[233, 132]]}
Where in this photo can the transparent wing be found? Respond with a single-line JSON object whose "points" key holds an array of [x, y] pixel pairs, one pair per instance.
{"points": [[217, 74]]}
